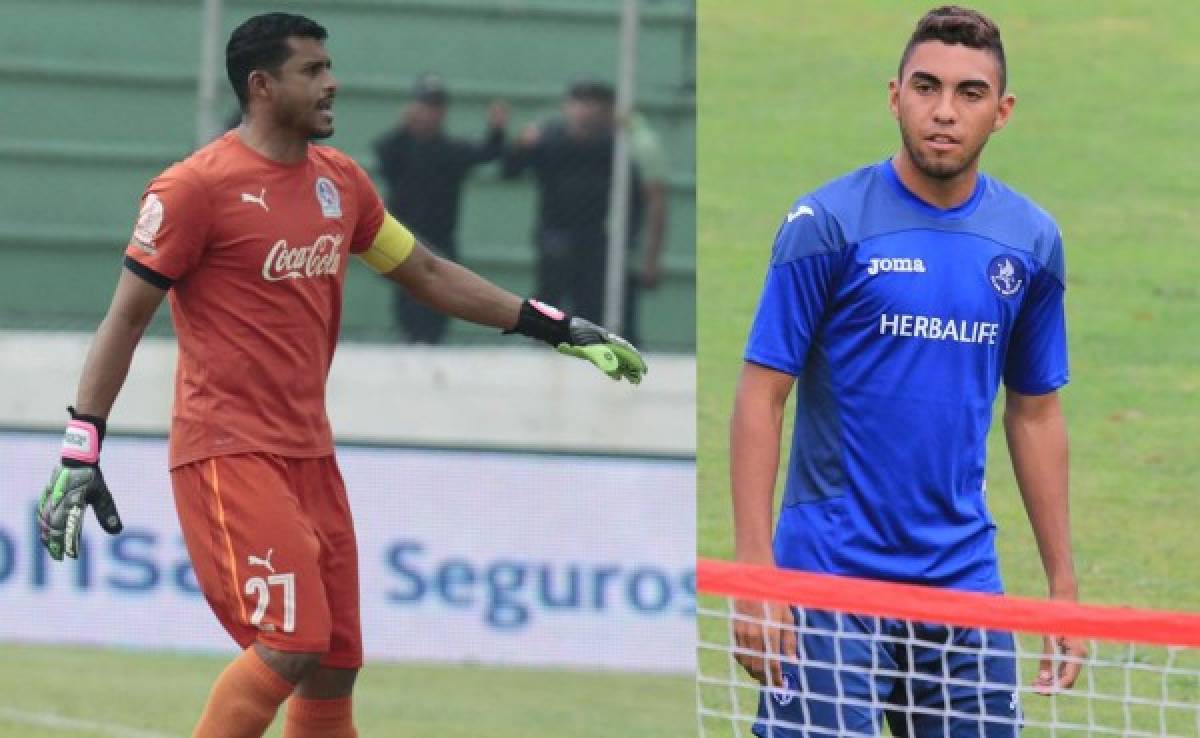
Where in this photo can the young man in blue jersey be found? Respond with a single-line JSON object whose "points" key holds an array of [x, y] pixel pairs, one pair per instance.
{"points": [[898, 298]]}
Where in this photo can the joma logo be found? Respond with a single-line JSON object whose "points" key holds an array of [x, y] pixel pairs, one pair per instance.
{"points": [[900, 264]]}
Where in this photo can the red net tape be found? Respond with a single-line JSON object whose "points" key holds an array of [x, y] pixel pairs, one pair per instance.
{"points": [[969, 609]]}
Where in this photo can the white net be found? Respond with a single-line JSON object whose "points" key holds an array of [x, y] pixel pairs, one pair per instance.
{"points": [[869, 673]]}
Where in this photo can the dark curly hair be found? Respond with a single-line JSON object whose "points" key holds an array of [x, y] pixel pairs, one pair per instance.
{"points": [[954, 24]]}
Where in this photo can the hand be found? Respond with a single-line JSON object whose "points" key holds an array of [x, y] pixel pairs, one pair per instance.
{"points": [[529, 136], [581, 338], [1076, 651], [60, 509], [497, 114], [769, 635], [611, 354]]}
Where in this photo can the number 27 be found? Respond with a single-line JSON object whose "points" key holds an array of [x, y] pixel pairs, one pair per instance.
{"points": [[260, 587]]}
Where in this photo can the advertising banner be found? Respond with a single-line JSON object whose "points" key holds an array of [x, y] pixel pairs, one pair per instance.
{"points": [[484, 557]]}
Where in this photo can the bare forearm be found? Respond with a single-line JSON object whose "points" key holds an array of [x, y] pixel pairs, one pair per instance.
{"points": [[106, 366], [490, 148], [455, 290], [515, 160], [754, 463], [133, 305], [657, 224], [1038, 445]]}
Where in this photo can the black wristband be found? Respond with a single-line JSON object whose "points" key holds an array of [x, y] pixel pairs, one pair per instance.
{"points": [[545, 323], [100, 423]]}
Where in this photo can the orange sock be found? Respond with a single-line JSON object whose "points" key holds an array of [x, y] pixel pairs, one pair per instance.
{"points": [[319, 718], [244, 700]]}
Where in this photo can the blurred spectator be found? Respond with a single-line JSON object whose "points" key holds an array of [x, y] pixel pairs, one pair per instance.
{"points": [[571, 159], [651, 160], [423, 169]]}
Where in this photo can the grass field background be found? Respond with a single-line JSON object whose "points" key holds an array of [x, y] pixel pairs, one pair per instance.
{"points": [[156, 695], [793, 94]]}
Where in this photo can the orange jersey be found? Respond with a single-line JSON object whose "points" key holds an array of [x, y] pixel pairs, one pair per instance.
{"points": [[254, 253]]}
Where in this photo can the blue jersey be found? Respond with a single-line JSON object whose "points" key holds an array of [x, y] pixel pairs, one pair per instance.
{"points": [[899, 320]]}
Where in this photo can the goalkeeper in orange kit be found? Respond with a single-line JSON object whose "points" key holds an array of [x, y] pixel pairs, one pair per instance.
{"points": [[249, 240]]}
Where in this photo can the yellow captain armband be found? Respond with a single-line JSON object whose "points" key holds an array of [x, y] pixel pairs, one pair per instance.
{"points": [[391, 246]]}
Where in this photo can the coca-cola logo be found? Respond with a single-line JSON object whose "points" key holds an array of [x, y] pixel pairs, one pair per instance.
{"points": [[318, 260]]}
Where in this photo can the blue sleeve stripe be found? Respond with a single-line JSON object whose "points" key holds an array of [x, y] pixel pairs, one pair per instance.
{"points": [[772, 363], [1042, 388]]}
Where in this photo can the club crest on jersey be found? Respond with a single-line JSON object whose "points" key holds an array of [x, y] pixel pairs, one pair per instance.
{"points": [[149, 221], [901, 264], [1006, 274], [327, 196], [785, 694]]}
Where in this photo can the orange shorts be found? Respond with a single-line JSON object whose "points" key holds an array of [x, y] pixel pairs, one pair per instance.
{"points": [[272, 542]]}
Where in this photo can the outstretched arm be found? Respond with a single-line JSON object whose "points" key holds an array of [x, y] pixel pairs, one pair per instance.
{"points": [[491, 147], [455, 290], [521, 155], [1037, 442]]}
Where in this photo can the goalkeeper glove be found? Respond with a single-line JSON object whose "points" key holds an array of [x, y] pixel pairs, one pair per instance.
{"points": [[575, 336], [75, 484]]}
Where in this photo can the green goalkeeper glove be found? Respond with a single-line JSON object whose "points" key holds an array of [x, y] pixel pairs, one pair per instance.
{"points": [[581, 338], [75, 484]]}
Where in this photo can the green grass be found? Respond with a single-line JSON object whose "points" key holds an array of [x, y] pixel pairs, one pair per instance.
{"points": [[164, 693], [793, 94]]}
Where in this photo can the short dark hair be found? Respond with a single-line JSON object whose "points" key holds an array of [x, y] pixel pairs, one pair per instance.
{"points": [[429, 88], [261, 43], [591, 90], [954, 24]]}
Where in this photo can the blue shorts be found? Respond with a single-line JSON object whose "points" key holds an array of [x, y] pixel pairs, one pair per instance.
{"points": [[853, 672]]}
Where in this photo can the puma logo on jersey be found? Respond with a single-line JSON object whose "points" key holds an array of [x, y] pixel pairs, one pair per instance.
{"points": [[902, 264], [253, 560], [802, 210], [260, 199]]}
